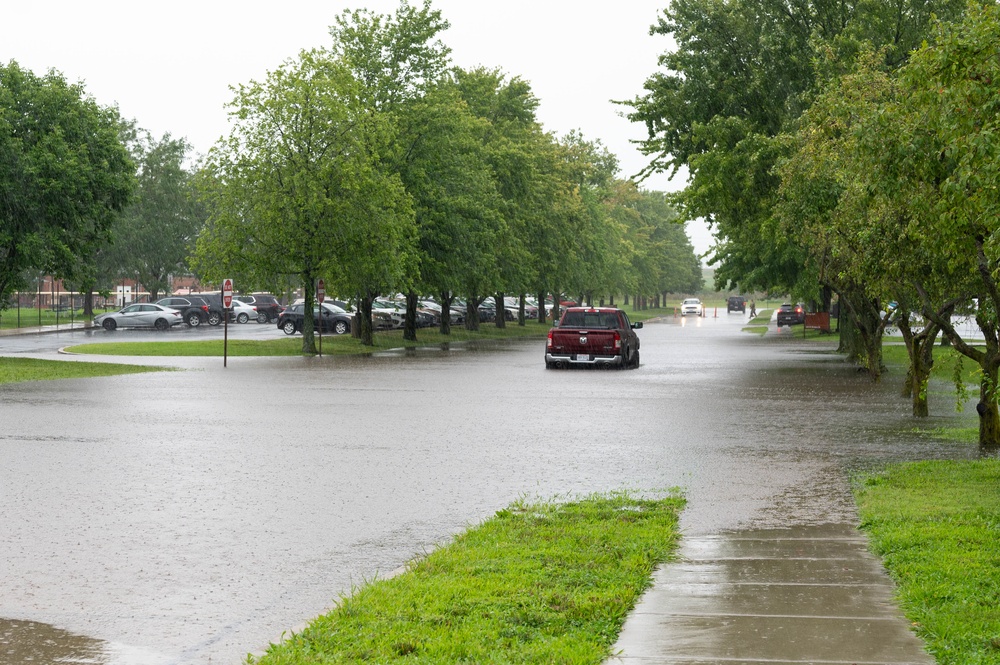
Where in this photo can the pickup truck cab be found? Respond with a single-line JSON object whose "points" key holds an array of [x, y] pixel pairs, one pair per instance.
{"points": [[594, 336]]}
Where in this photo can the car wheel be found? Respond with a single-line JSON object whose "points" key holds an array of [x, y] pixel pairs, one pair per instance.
{"points": [[635, 359], [549, 365], [109, 324], [242, 317], [261, 317], [193, 319], [214, 318], [341, 327], [161, 324], [288, 328]]}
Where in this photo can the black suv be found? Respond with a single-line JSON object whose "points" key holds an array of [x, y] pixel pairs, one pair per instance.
{"points": [[194, 309], [268, 307], [736, 304], [789, 315]]}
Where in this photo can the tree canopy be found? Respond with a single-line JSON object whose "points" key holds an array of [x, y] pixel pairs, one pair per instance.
{"points": [[64, 176]]}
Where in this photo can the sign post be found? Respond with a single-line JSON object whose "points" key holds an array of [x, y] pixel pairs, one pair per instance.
{"points": [[227, 303]]}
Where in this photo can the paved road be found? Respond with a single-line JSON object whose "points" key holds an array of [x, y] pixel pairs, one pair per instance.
{"points": [[190, 517]]}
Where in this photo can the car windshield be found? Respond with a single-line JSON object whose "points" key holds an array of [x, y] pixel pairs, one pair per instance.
{"points": [[691, 301]]}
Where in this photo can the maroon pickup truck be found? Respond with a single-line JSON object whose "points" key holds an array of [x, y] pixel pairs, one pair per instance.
{"points": [[601, 336]]}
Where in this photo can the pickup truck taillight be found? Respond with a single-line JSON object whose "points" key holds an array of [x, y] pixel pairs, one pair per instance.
{"points": [[618, 341], [548, 344]]}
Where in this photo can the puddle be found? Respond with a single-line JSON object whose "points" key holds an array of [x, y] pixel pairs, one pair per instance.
{"points": [[32, 642]]}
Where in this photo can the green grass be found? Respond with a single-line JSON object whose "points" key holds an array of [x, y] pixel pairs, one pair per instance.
{"points": [[537, 583], [16, 370], [936, 526], [292, 345], [946, 359], [45, 317]]}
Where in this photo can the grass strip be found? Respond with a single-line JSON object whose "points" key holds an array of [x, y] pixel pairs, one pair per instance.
{"points": [[332, 344], [537, 583], [17, 370], [936, 526]]}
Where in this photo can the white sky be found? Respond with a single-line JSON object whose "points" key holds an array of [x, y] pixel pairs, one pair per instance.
{"points": [[169, 65]]}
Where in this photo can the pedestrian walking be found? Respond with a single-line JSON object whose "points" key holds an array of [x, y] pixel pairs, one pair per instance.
{"points": [[753, 309]]}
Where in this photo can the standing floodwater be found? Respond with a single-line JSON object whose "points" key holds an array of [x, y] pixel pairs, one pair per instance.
{"points": [[190, 517]]}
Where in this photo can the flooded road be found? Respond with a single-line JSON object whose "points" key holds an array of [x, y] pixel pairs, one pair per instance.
{"points": [[191, 517]]}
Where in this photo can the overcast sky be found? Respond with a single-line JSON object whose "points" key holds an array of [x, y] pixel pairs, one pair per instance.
{"points": [[169, 65]]}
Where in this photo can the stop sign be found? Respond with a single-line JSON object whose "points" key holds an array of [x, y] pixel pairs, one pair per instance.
{"points": [[227, 293], [320, 290]]}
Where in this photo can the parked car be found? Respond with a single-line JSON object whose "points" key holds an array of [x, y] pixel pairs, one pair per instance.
{"points": [[194, 309], [213, 299], [243, 312], [789, 314], [736, 304], [386, 315], [691, 306], [334, 319], [140, 315], [268, 307]]}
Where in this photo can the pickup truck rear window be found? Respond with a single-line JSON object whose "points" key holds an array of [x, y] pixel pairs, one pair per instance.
{"points": [[590, 320]]}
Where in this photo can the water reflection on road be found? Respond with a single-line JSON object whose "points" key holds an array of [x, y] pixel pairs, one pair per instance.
{"points": [[196, 515]]}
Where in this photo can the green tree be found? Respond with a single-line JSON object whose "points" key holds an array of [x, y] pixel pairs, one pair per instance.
{"points": [[730, 96], [937, 167], [64, 176], [401, 64], [296, 189], [158, 230]]}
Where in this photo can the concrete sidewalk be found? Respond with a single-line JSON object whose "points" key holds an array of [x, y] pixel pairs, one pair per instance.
{"points": [[800, 595]]}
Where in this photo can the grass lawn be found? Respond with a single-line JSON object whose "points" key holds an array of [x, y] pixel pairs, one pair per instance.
{"points": [[537, 583], [16, 370], [948, 364], [332, 344], [292, 345], [936, 526]]}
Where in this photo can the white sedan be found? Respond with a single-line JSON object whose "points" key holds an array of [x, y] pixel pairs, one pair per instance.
{"points": [[691, 306], [140, 315], [243, 312]]}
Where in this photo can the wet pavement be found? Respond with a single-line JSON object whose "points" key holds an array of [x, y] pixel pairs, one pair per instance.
{"points": [[803, 594], [191, 517]]}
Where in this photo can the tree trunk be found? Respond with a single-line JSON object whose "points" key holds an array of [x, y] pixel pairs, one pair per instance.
{"points": [[365, 311], [611, 301], [542, 315], [472, 313], [501, 310], [88, 304], [410, 320], [520, 310], [626, 299], [989, 416], [920, 348], [308, 323], [445, 326]]}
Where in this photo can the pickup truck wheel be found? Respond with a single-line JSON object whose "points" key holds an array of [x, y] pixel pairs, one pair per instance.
{"points": [[635, 359], [549, 365]]}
